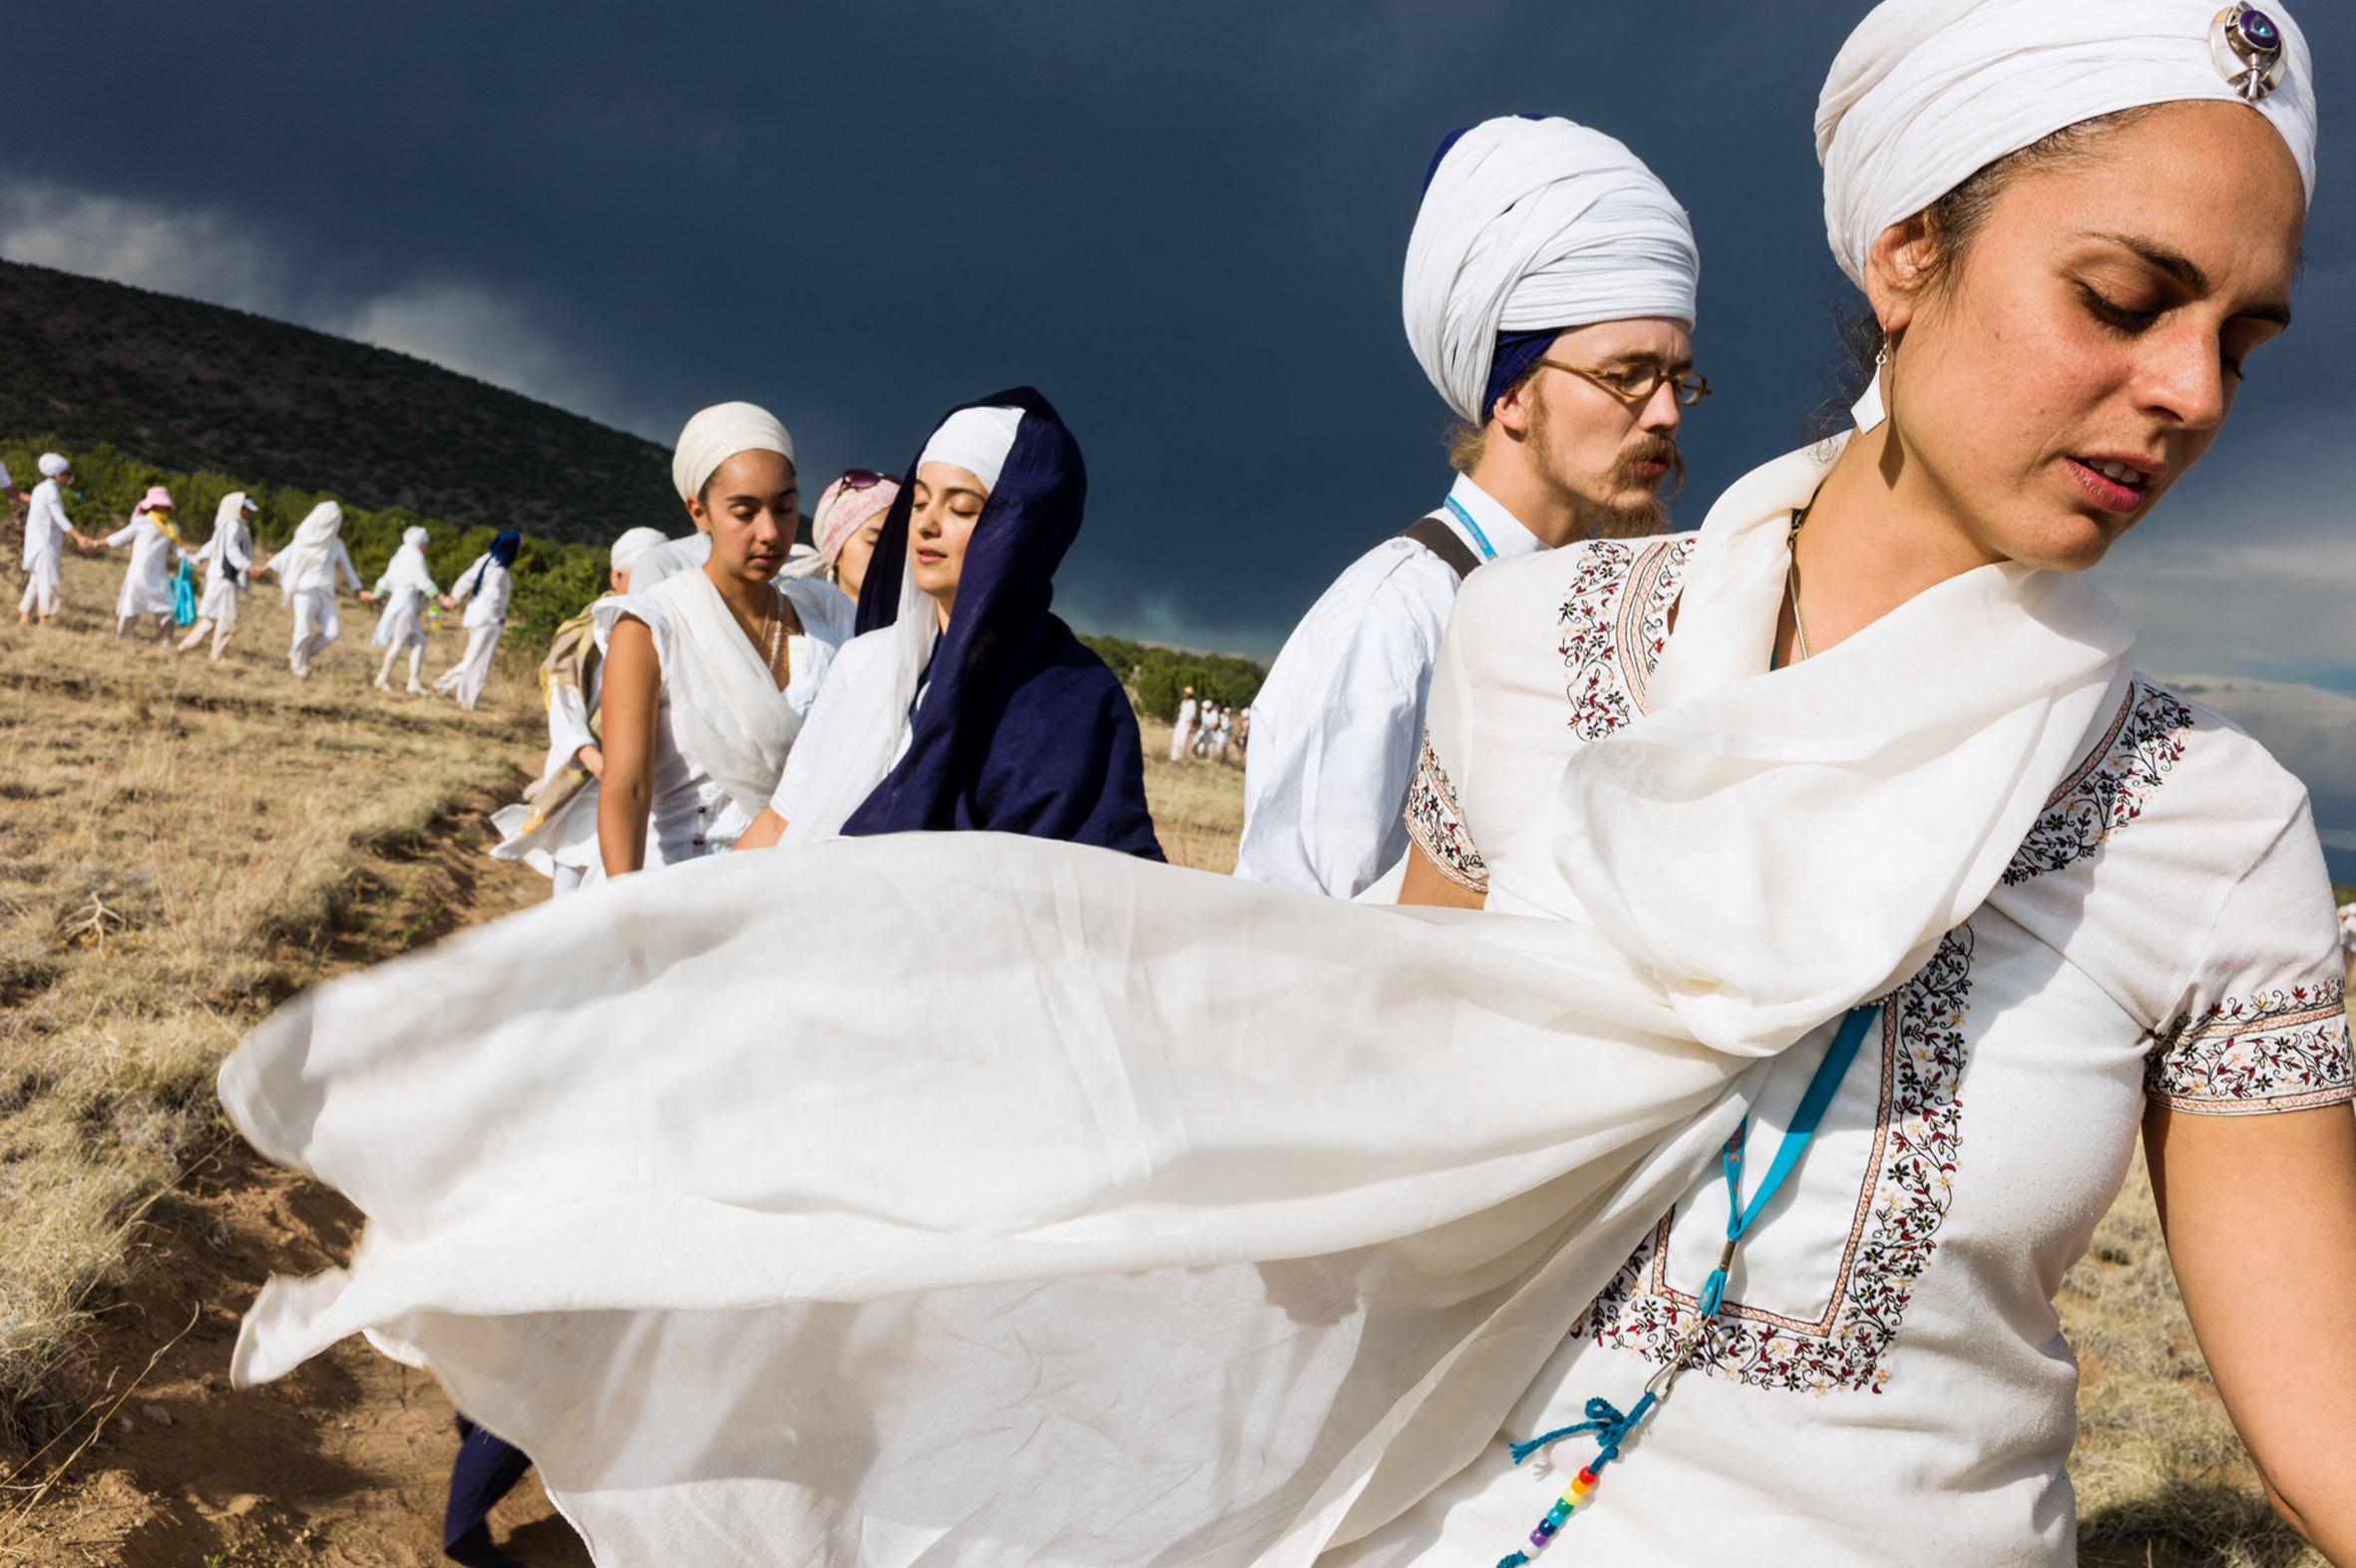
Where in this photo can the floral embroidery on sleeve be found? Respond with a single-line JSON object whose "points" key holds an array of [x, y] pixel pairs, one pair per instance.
{"points": [[2278, 1052], [1437, 825], [2146, 741], [1615, 624]]}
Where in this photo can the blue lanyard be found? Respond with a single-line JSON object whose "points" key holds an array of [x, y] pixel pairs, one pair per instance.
{"points": [[1489, 552], [1611, 1429]]}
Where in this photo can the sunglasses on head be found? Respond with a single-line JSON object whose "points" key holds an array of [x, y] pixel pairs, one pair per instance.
{"points": [[864, 478]]}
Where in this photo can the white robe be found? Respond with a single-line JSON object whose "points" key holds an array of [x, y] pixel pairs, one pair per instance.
{"points": [[1335, 726], [146, 580], [227, 556], [46, 530], [972, 1197]]}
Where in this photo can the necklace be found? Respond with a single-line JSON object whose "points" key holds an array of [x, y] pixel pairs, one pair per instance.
{"points": [[1792, 581]]}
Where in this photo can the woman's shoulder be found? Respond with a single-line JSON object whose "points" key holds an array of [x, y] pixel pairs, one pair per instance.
{"points": [[646, 609]]}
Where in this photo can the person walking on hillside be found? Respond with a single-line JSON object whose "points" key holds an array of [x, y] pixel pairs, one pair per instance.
{"points": [[553, 828], [147, 580], [485, 589], [310, 570], [227, 556], [1183, 731], [47, 527], [404, 588], [1549, 295]]}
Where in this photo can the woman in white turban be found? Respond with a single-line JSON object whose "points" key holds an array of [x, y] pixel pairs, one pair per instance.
{"points": [[962, 1197], [710, 673], [400, 625], [47, 527], [310, 568], [228, 557]]}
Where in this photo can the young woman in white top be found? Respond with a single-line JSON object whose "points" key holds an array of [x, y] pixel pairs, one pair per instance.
{"points": [[400, 626], [1107, 1213], [146, 580], [709, 674], [484, 587]]}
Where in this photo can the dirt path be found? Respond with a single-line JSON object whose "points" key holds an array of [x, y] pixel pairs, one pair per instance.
{"points": [[346, 1461]]}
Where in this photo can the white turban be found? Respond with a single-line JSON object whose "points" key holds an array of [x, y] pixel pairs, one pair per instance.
{"points": [[1926, 92], [415, 538], [632, 544], [1529, 225], [718, 434], [52, 465], [975, 439]]}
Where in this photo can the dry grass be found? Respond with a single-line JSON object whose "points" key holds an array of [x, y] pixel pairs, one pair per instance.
{"points": [[1198, 806], [177, 840]]}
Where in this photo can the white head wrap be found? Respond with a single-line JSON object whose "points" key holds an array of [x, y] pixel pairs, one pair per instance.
{"points": [[718, 434], [313, 541], [633, 544], [414, 538], [1535, 223], [975, 439], [407, 568], [52, 465], [230, 512], [1926, 92]]}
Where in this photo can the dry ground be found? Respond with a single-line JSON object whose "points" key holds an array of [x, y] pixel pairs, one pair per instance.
{"points": [[182, 846]]}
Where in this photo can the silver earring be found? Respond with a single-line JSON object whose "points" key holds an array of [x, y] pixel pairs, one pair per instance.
{"points": [[1869, 410]]}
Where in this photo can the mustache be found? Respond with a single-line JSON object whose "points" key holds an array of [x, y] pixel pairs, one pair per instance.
{"points": [[1652, 448]]}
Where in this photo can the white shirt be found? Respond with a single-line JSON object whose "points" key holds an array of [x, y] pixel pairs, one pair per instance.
{"points": [[486, 599], [1888, 1382], [46, 524], [319, 577], [1335, 726]]}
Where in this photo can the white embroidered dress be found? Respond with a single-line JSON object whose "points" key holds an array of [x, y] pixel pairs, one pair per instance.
{"points": [[1888, 1382]]}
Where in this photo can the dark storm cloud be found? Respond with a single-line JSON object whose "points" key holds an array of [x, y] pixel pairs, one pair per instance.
{"points": [[1184, 224]]}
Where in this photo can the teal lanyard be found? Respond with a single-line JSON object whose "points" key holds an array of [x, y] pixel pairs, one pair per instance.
{"points": [[1489, 552], [1611, 1429]]}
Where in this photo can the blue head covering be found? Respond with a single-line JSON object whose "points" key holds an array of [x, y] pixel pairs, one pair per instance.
{"points": [[502, 550], [1022, 729]]}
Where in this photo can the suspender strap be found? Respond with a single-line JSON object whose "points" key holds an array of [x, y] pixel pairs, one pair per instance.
{"points": [[1441, 540]]}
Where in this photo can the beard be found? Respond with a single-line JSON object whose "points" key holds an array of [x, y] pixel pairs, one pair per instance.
{"points": [[1649, 516]]}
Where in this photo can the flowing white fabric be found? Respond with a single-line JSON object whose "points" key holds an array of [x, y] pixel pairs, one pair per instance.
{"points": [[717, 434], [726, 711], [1926, 91], [1161, 1214], [975, 439], [405, 586], [856, 729], [314, 545], [1535, 223]]}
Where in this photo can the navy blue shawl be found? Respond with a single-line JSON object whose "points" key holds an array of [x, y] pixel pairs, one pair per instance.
{"points": [[1022, 729]]}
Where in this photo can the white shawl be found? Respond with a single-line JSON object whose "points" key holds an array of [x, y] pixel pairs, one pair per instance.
{"points": [[315, 542], [1167, 1215]]}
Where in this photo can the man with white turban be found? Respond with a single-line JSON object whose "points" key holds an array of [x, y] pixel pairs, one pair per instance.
{"points": [[227, 556], [1549, 296], [47, 527], [554, 829]]}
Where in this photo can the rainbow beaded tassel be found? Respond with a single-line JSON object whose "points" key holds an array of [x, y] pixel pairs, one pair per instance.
{"points": [[1610, 1426]]}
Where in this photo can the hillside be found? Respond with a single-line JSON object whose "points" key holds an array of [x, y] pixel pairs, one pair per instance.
{"points": [[201, 387]]}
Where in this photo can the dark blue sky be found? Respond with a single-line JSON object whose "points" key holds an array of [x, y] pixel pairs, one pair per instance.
{"points": [[1184, 224]]}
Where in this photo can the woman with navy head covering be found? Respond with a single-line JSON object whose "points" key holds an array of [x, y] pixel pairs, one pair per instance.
{"points": [[484, 586], [965, 703]]}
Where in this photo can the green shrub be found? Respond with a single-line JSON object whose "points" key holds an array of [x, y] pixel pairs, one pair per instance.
{"points": [[1158, 676]]}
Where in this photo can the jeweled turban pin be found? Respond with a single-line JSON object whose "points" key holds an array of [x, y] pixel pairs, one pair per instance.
{"points": [[2247, 48]]}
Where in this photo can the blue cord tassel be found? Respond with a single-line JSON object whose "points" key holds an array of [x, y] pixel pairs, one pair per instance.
{"points": [[1604, 1419]]}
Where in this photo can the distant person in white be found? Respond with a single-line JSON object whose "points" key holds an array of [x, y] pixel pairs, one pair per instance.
{"points": [[46, 530], [1549, 295], [484, 588], [1183, 730], [147, 580], [404, 588], [227, 556], [308, 570]]}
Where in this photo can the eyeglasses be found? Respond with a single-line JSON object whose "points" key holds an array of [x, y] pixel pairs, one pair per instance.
{"points": [[1637, 382], [864, 478]]}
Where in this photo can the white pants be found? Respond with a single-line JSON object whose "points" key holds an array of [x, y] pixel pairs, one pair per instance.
{"points": [[316, 624], [466, 677], [1178, 739], [41, 594]]}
